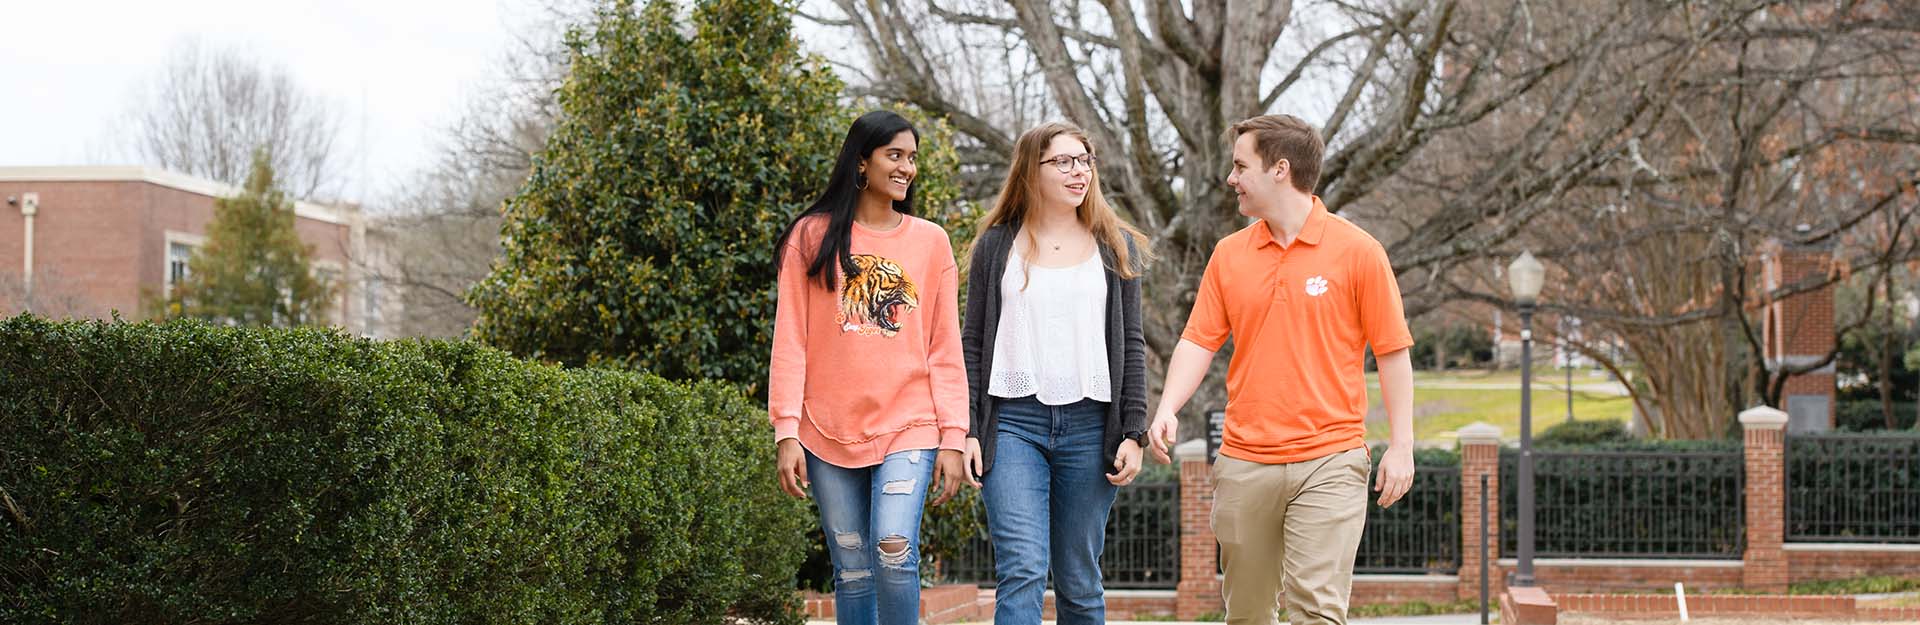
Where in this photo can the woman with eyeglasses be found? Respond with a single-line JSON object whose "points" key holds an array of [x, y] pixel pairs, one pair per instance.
{"points": [[867, 390], [1057, 367]]}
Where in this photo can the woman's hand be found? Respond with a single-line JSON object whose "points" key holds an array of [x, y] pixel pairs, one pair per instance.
{"points": [[1126, 463], [973, 462], [792, 462], [949, 471]]}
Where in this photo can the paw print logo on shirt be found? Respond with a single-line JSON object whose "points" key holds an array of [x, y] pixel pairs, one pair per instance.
{"points": [[1316, 285]]}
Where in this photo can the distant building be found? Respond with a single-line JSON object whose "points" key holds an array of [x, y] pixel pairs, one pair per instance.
{"points": [[112, 239]]}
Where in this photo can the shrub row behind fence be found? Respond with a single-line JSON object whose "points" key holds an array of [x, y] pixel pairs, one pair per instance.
{"points": [[1853, 487]]}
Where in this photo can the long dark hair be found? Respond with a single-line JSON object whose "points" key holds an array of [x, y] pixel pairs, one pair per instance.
{"points": [[869, 133]]}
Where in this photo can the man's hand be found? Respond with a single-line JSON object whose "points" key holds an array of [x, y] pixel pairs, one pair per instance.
{"points": [[1126, 463], [949, 472], [1396, 474], [1160, 437], [792, 462]]}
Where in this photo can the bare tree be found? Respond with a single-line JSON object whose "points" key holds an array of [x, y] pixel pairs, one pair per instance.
{"points": [[208, 110], [1793, 127], [1456, 130], [442, 233], [53, 295]]}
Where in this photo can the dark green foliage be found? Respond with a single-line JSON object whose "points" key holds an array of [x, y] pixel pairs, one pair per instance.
{"points": [[1464, 344], [1853, 487], [1584, 433], [1421, 532], [644, 236], [1631, 498], [1865, 415], [184, 472]]}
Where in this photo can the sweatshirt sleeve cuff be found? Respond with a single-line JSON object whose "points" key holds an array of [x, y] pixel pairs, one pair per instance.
{"points": [[784, 429], [953, 438]]}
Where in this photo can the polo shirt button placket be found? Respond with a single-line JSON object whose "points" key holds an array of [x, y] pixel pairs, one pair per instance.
{"points": [[1280, 280]]}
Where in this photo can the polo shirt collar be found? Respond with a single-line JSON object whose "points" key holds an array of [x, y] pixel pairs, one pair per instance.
{"points": [[1316, 223], [1310, 232]]}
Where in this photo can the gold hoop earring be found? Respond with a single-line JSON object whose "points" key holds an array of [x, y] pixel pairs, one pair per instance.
{"points": [[861, 182]]}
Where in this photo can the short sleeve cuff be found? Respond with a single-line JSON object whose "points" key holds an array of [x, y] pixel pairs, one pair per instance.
{"points": [[1193, 336]]}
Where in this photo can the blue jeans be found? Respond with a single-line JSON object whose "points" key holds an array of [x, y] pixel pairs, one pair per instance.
{"points": [[871, 516], [1047, 503]]}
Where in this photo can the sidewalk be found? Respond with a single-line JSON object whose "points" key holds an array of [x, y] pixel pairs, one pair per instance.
{"points": [[1444, 619]]}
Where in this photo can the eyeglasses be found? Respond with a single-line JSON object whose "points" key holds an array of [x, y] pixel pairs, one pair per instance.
{"points": [[1065, 163]]}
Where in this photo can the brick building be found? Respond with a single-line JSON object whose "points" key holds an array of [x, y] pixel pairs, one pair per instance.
{"points": [[106, 239], [1798, 331]]}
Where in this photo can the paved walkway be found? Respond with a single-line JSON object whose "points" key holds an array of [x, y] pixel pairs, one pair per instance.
{"points": [[1444, 619]]}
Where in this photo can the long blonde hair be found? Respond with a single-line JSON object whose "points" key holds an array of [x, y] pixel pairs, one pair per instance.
{"points": [[1016, 194]]}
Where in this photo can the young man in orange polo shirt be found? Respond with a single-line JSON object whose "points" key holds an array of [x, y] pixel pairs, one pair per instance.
{"points": [[1302, 293]]}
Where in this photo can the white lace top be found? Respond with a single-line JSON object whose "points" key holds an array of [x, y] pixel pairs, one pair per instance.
{"points": [[1052, 342]]}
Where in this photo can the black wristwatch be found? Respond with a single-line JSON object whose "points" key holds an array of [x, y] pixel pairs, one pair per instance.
{"points": [[1138, 436]]}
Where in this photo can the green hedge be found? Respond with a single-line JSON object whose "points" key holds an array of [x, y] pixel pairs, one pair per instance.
{"points": [[1853, 487], [1634, 498], [183, 472], [1855, 415], [1586, 432]]}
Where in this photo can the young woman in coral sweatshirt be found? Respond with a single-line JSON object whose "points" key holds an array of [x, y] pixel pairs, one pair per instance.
{"points": [[868, 392]]}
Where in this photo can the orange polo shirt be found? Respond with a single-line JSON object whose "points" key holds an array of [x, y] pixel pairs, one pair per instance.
{"points": [[1301, 317]]}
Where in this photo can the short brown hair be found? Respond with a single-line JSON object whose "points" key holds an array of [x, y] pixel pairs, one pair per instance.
{"points": [[1277, 137]]}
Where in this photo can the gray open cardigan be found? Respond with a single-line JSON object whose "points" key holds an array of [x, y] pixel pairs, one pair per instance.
{"points": [[1126, 344]]}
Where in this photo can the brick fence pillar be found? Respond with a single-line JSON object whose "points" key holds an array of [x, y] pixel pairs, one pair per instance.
{"points": [[1765, 561], [1479, 455], [1199, 589]]}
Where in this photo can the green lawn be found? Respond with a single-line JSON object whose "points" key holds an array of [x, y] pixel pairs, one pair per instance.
{"points": [[1440, 412], [1550, 375]]}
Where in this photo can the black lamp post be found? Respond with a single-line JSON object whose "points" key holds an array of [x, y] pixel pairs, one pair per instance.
{"points": [[1526, 276]]}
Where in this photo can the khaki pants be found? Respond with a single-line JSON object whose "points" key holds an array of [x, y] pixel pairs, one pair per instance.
{"points": [[1293, 528]]}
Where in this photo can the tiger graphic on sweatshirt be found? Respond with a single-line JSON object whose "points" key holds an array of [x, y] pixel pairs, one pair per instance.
{"points": [[876, 296]]}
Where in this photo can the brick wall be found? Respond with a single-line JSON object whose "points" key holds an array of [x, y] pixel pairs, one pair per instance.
{"points": [[1807, 563], [1648, 606], [1560, 575]]}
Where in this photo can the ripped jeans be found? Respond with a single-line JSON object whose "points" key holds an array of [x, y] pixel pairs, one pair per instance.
{"points": [[871, 516]]}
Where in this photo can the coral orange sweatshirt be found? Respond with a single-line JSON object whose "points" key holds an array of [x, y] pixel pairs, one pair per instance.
{"points": [[875, 367]]}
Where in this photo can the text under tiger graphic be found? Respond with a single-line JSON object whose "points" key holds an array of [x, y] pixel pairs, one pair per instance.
{"points": [[876, 297]]}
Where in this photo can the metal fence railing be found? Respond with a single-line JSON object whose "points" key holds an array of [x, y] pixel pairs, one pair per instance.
{"points": [[1629, 504], [1853, 488], [1421, 533], [1143, 542]]}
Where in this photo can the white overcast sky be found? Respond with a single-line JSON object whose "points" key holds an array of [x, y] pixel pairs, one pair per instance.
{"points": [[397, 70]]}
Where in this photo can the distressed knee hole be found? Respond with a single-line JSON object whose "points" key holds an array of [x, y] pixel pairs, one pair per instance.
{"points": [[898, 487], [847, 540], [853, 575], [894, 550]]}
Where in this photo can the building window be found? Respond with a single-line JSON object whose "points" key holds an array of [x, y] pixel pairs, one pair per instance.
{"points": [[370, 305], [177, 255]]}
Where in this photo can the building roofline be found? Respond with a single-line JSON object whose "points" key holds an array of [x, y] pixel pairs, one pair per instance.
{"points": [[171, 179]]}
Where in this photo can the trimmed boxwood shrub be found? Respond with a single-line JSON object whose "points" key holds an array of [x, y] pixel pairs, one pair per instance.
{"points": [[183, 472], [1588, 432]]}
